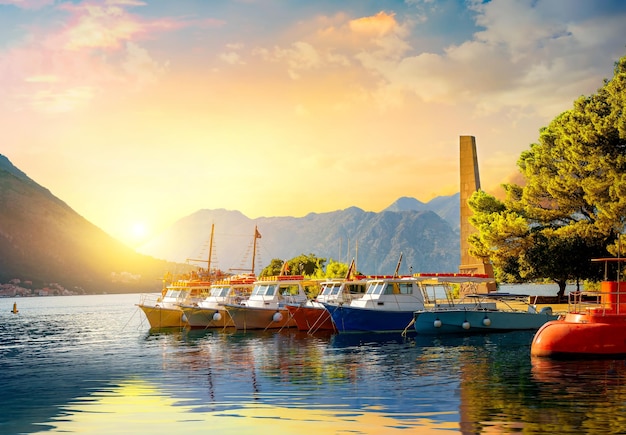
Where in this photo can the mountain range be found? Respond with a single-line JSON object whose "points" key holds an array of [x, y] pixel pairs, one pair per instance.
{"points": [[426, 234], [43, 240]]}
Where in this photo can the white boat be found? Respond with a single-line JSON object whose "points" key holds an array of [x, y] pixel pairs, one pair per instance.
{"points": [[266, 306], [479, 312], [387, 305], [163, 311], [210, 311]]}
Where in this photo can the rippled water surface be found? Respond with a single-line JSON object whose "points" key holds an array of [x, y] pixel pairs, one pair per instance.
{"points": [[91, 364]]}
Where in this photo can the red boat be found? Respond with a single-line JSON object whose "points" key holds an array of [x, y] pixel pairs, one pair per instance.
{"points": [[312, 316], [595, 325]]}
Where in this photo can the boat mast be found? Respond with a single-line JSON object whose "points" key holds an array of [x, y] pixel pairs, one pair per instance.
{"points": [[350, 270], [208, 261], [395, 275], [210, 249], [257, 235]]}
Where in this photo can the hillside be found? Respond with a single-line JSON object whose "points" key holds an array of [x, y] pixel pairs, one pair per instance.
{"points": [[44, 241]]}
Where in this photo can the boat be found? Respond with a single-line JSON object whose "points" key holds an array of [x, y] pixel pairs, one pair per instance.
{"points": [[266, 306], [210, 311], [163, 311], [387, 306], [594, 326], [478, 312], [312, 316]]}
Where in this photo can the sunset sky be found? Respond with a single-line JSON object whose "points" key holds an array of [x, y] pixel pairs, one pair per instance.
{"points": [[138, 113]]}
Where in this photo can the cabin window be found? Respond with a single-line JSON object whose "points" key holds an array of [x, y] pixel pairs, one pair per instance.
{"points": [[289, 290], [375, 288], [392, 289], [406, 288], [264, 290], [356, 288]]}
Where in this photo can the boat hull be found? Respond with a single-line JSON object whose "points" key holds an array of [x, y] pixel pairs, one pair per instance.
{"points": [[357, 319], [478, 322], [245, 317], [199, 317], [163, 317], [311, 319], [581, 335]]}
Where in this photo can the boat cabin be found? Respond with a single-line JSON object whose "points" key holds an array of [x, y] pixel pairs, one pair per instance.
{"points": [[272, 294], [402, 294], [341, 290]]}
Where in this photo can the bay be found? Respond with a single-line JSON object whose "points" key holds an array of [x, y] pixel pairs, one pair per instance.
{"points": [[91, 364]]}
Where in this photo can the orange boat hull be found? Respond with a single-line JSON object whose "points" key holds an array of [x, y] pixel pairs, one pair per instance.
{"points": [[586, 334]]}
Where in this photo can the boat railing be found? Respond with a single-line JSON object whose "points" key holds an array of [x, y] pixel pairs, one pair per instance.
{"points": [[150, 299], [596, 301]]}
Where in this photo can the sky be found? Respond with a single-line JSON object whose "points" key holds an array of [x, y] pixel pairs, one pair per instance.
{"points": [[139, 113]]}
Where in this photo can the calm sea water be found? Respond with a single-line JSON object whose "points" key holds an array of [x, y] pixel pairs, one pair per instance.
{"points": [[90, 364]]}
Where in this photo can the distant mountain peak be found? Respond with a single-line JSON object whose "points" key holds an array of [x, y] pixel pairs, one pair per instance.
{"points": [[406, 203]]}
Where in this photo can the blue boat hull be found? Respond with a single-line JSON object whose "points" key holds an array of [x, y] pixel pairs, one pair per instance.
{"points": [[454, 321], [354, 319]]}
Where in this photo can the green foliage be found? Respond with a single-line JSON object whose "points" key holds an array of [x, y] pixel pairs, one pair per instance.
{"points": [[335, 269], [307, 265], [572, 206], [273, 268]]}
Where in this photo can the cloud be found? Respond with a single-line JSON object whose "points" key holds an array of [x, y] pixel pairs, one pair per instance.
{"points": [[141, 66], [107, 26], [524, 55], [28, 4], [65, 100], [94, 46]]}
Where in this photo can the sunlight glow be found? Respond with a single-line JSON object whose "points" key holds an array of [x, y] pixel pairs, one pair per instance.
{"points": [[136, 406]]}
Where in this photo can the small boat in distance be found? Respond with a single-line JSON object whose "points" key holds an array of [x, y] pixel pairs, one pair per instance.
{"points": [[485, 312], [594, 326]]}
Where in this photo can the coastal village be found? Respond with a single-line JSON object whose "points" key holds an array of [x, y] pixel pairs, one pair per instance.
{"points": [[19, 288]]}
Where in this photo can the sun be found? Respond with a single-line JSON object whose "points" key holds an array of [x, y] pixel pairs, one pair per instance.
{"points": [[138, 231]]}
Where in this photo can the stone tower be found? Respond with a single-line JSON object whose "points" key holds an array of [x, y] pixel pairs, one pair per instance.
{"points": [[470, 183]]}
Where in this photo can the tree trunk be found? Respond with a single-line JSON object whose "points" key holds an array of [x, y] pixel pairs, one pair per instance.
{"points": [[561, 294]]}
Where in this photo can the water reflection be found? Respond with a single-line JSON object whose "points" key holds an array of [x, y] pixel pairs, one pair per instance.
{"points": [[94, 371], [138, 407], [590, 394]]}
